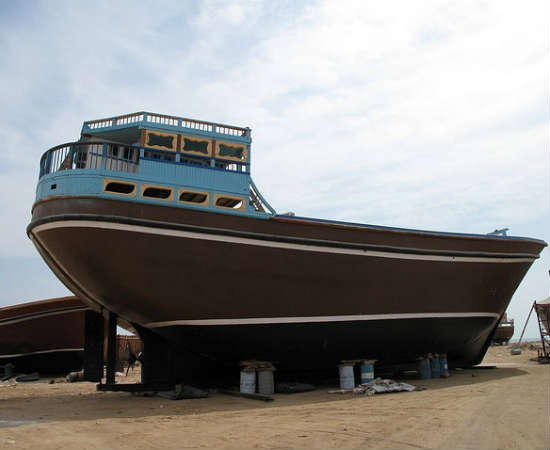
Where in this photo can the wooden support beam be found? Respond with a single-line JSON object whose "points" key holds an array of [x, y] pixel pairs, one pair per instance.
{"points": [[94, 333], [111, 348]]}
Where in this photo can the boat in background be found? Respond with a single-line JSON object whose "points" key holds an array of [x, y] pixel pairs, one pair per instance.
{"points": [[156, 219], [504, 331], [44, 336]]}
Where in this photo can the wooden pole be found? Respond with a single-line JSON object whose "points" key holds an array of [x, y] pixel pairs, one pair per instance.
{"points": [[93, 346], [111, 348], [525, 326]]}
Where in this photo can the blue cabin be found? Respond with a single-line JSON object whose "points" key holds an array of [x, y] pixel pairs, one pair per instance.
{"points": [[154, 158]]}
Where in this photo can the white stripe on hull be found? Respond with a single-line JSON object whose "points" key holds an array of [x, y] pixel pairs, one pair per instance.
{"points": [[40, 315], [272, 244], [40, 352], [320, 319]]}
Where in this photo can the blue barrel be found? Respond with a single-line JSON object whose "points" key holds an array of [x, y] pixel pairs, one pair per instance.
{"points": [[423, 367], [443, 367], [347, 378], [367, 371], [435, 366], [248, 381]]}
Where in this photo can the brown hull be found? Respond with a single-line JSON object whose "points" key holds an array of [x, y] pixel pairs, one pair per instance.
{"points": [[43, 336], [503, 333], [187, 274]]}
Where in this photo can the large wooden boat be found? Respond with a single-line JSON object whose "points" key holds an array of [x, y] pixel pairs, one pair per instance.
{"points": [[156, 218], [46, 336]]}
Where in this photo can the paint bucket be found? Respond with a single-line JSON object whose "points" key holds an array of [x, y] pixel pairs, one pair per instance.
{"points": [[367, 371], [423, 367], [347, 378], [248, 380], [443, 367], [435, 366], [266, 383]]}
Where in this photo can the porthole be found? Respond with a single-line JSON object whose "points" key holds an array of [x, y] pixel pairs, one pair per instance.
{"points": [[193, 197], [229, 202], [119, 187], [157, 192]]}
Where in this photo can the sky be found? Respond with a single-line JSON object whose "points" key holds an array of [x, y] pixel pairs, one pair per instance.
{"points": [[431, 115]]}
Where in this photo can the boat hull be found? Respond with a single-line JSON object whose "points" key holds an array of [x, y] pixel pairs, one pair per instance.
{"points": [[286, 290], [503, 333], [44, 336]]}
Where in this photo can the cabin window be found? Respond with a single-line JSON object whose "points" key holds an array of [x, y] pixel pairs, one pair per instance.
{"points": [[234, 167], [119, 187], [157, 192], [235, 203], [161, 156], [232, 151], [195, 197], [190, 145], [160, 141]]}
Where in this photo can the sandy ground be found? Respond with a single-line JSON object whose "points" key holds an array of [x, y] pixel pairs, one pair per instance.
{"points": [[502, 408]]}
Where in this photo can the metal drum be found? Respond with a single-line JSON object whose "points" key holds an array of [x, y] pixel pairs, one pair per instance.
{"points": [[424, 369], [266, 384], [347, 378], [248, 381], [367, 371], [435, 366]]}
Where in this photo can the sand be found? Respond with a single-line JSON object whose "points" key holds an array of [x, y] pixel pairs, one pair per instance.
{"points": [[502, 408]]}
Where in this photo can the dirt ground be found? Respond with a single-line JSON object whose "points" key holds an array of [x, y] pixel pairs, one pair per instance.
{"points": [[502, 408]]}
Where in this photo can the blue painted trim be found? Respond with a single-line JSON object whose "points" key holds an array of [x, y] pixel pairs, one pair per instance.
{"points": [[89, 182], [145, 158]]}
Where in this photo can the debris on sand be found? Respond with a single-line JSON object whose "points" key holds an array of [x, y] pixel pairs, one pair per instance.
{"points": [[379, 386], [73, 377], [28, 377]]}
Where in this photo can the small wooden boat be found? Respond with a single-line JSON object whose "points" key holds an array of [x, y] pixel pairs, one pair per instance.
{"points": [[504, 331], [44, 336]]}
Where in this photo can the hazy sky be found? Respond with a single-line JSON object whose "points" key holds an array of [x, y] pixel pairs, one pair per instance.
{"points": [[431, 115]]}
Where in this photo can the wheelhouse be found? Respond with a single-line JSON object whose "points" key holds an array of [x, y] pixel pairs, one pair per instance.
{"points": [[154, 158]]}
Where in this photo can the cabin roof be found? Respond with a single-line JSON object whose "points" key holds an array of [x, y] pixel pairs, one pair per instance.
{"points": [[128, 127]]}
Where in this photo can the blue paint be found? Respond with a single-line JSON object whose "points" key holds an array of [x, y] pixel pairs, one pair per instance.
{"points": [[367, 371], [424, 369], [80, 168], [435, 366]]}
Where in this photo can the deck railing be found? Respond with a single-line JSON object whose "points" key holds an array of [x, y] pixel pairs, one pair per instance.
{"points": [[90, 155], [123, 158], [162, 119]]}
